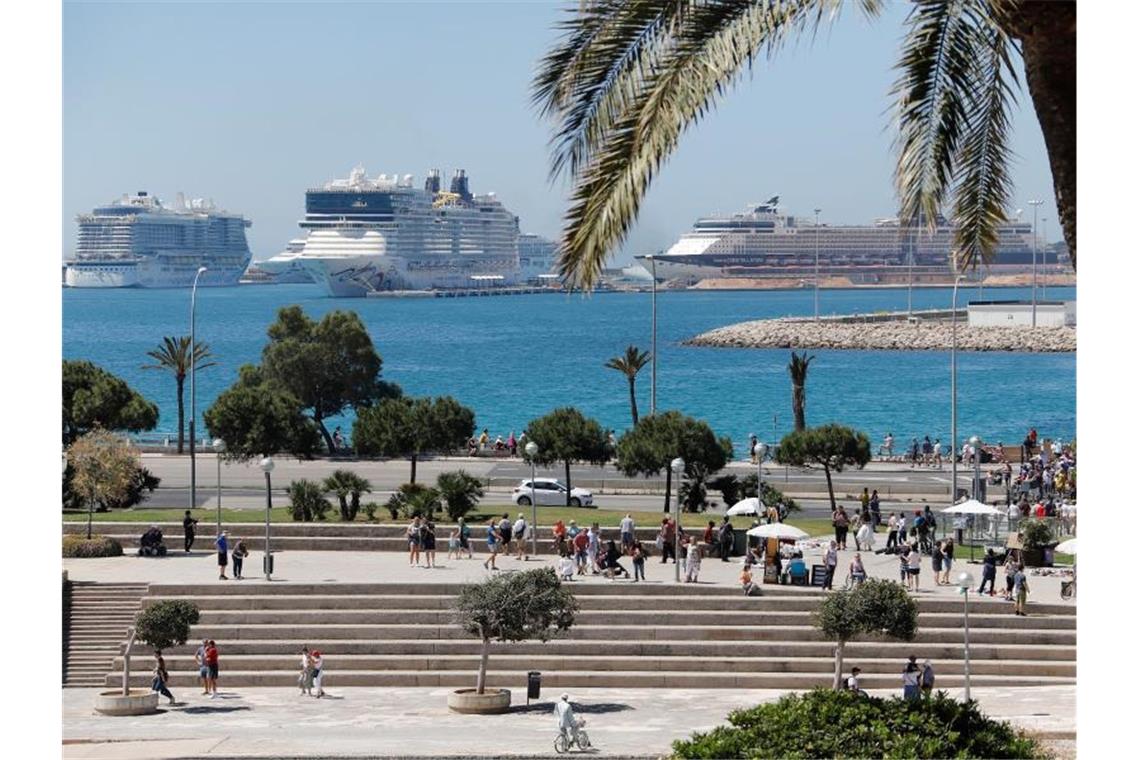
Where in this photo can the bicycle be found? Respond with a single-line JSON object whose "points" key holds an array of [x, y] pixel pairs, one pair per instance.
{"points": [[575, 735]]}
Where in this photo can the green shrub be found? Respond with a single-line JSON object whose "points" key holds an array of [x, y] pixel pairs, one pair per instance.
{"points": [[307, 501], [1036, 534], [97, 546], [460, 492], [370, 510], [166, 623], [824, 723], [413, 499]]}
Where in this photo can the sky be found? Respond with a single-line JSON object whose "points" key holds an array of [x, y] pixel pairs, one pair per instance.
{"points": [[251, 104]]}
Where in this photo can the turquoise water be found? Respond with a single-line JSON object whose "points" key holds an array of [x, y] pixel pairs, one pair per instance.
{"points": [[514, 358]]}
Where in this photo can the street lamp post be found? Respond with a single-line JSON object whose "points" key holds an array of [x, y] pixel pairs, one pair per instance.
{"points": [[219, 449], [817, 264], [1035, 204], [760, 450], [653, 348], [531, 451], [678, 467], [954, 387], [975, 443], [193, 407], [267, 467], [965, 581]]}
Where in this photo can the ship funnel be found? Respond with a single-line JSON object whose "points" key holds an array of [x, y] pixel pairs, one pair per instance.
{"points": [[180, 201]]}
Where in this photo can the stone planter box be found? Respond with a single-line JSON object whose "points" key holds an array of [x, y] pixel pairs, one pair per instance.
{"points": [[140, 702], [490, 702]]}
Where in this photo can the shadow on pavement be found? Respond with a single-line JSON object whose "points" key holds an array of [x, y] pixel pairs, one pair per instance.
{"points": [[212, 709], [599, 708]]}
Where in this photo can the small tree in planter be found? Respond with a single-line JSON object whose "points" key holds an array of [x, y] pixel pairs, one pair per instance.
{"points": [[1035, 536], [515, 607], [874, 606], [161, 625]]}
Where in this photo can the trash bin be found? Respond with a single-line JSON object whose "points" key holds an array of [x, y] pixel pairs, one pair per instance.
{"points": [[533, 685], [739, 543], [267, 564]]}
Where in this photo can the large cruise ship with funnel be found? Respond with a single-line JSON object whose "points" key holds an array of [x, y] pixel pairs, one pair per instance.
{"points": [[368, 235], [137, 242], [762, 242]]}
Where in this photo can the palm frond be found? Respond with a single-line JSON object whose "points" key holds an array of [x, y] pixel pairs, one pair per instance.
{"points": [[936, 97], [698, 59], [983, 193], [174, 355]]}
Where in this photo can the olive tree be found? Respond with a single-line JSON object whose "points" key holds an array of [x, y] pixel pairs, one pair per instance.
{"points": [[652, 444], [566, 435], [515, 607], [256, 418], [408, 427], [103, 469], [875, 606], [832, 447], [94, 398], [161, 625]]}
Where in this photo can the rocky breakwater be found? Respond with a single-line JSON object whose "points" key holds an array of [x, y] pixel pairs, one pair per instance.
{"points": [[895, 335]]}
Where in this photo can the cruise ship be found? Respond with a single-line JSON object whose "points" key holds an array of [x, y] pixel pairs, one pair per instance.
{"points": [[371, 235], [137, 242], [286, 267], [761, 242]]}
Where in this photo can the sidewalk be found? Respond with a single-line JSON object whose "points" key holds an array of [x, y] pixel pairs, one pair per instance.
{"points": [[364, 722]]}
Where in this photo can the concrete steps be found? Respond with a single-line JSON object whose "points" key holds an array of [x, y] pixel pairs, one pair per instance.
{"points": [[405, 634], [99, 615]]}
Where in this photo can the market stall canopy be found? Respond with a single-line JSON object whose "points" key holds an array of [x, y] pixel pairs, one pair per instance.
{"points": [[751, 506], [972, 507], [1067, 547], [777, 530]]}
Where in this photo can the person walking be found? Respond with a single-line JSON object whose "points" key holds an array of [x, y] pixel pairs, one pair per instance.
{"points": [[581, 543], [505, 534], [305, 679], [519, 532], [203, 671], [904, 565], [1020, 590], [428, 533], [627, 532], [212, 668], [726, 537], [492, 545], [936, 563], [841, 523], [910, 678], [693, 561], [892, 532], [638, 553], [241, 551], [830, 560], [914, 565], [1010, 572], [865, 538], [188, 524], [989, 571], [926, 681], [318, 673], [668, 528], [947, 560], [464, 539], [876, 515], [158, 683], [865, 500], [593, 544], [223, 550], [938, 452]]}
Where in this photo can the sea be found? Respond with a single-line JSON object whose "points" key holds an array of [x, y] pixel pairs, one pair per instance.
{"points": [[514, 358]]}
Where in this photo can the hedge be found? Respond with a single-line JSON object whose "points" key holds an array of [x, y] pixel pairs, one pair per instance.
{"points": [[87, 548], [841, 724]]}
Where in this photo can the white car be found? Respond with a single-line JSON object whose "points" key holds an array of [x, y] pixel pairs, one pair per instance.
{"points": [[550, 491]]}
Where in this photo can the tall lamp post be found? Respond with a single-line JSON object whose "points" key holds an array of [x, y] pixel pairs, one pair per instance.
{"points": [[965, 581], [760, 450], [653, 349], [678, 467], [975, 444], [267, 467], [1035, 204], [817, 264], [219, 449], [531, 450], [954, 386], [193, 407]]}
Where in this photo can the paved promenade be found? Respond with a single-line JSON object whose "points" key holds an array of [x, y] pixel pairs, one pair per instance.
{"points": [[362, 722]]}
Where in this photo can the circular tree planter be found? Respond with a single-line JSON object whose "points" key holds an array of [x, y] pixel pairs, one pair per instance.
{"points": [[490, 702], [139, 702]]}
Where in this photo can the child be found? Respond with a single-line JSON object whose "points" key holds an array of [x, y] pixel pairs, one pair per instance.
{"points": [[746, 581], [566, 568], [453, 545]]}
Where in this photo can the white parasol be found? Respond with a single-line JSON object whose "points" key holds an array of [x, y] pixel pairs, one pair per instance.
{"points": [[1067, 547], [777, 530], [750, 506], [972, 507]]}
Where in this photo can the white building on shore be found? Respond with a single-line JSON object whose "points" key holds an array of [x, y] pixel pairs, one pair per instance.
{"points": [[1020, 313]]}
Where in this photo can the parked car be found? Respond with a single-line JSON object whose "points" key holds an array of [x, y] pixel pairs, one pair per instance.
{"points": [[550, 491]]}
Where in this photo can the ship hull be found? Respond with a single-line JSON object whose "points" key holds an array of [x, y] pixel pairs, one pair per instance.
{"points": [[89, 274]]}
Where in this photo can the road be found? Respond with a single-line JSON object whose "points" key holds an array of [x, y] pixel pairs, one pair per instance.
{"points": [[243, 484]]}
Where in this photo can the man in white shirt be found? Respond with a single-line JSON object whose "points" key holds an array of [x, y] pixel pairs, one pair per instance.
{"points": [[564, 713], [853, 680], [627, 532], [519, 531]]}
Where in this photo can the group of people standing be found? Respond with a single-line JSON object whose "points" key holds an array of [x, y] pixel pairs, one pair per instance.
{"points": [[312, 672], [421, 542], [499, 535], [240, 552]]}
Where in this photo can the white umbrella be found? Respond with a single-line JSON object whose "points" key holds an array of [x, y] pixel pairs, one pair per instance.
{"points": [[777, 530], [1067, 547], [972, 507], [751, 506]]}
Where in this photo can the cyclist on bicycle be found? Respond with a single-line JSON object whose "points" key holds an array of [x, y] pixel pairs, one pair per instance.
{"points": [[564, 713]]}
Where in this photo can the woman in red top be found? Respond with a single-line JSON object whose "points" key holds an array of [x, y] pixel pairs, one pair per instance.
{"points": [[212, 668]]}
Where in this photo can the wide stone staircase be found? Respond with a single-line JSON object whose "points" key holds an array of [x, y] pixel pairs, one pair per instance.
{"points": [[328, 536], [97, 618], [638, 636]]}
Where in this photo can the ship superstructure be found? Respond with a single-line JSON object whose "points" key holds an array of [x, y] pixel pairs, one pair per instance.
{"points": [[136, 241], [368, 235]]}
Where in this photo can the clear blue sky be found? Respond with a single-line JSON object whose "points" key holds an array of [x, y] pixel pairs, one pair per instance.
{"points": [[251, 104]]}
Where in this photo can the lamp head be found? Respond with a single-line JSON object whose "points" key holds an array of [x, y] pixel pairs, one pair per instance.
{"points": [[531, 449], [266, 464], [965, 580], [677, 465], [974, 441], [219, 445], [760, 449], [201, 270]]}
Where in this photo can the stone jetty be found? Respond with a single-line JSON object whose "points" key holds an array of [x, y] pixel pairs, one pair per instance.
{"points": [[876, 333]]}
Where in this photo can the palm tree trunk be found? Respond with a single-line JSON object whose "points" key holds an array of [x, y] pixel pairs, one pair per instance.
{"points": [[1047, 30], [181, 411], [830, 490], [798, 400], [632, 400], [838, 664], [481, 679], [343, 507], [413, 480]]}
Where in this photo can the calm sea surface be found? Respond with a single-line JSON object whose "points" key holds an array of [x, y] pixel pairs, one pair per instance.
{"points": [[514, 358]]}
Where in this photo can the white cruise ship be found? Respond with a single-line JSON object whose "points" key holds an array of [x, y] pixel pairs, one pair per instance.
{"points": [[136, 241], [370, 235], [761, 242], [286, 267]]}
